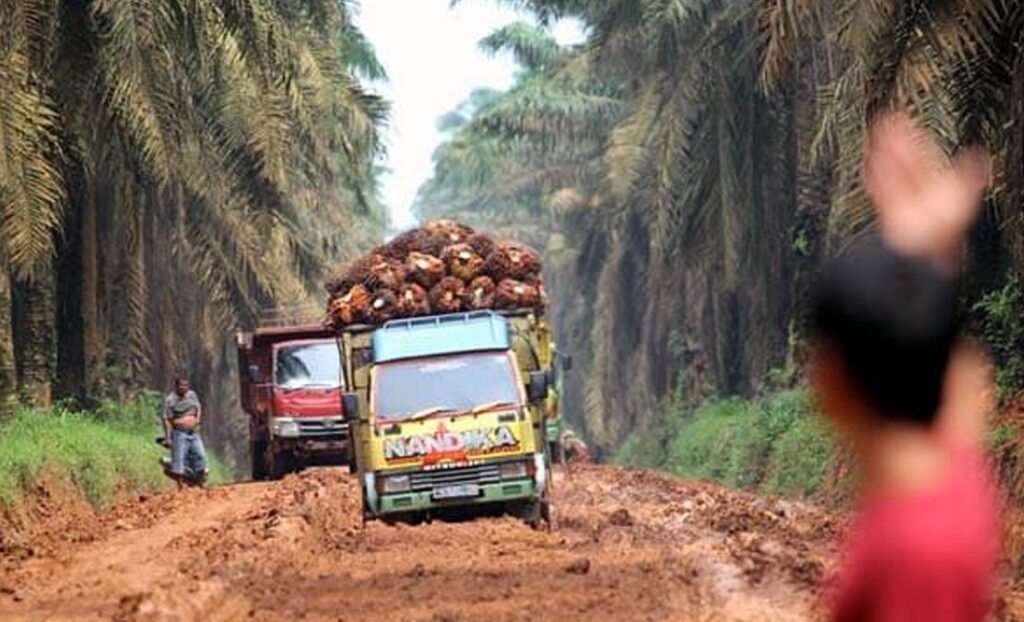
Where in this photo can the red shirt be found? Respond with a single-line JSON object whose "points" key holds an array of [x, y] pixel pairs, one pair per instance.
{"points": [[927, 557]]}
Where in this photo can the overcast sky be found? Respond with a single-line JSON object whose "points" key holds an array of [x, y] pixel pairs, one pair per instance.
{"points": [[430, 53]]}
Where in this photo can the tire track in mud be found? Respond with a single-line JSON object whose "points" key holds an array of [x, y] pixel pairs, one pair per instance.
{"points": [[630, 545]]}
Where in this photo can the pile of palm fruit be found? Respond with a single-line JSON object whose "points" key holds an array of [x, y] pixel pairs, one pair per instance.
{"points": [[441, 267]]}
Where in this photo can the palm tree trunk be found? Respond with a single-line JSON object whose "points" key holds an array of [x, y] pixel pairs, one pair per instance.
{"points": [[8, 374], [37, 339], [91, 342], [70, 353], [133, 348]]}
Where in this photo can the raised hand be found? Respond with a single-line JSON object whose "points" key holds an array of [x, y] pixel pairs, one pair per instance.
{"points": [[925, 203]]}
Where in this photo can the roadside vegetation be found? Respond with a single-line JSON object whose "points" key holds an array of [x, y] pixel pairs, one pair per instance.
{"points": [[687, 168], [776, 442], [100, 453], [773, 443], [168, 170]]}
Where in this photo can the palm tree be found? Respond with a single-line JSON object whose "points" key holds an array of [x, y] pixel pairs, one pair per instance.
{"points": [[188, 149], [726, 163]]}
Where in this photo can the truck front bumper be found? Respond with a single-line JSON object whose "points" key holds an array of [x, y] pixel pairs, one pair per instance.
{"points": [[311, 435], [504, 492]]}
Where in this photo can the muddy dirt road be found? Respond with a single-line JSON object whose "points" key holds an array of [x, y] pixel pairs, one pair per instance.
{"points": [[631, 545]]}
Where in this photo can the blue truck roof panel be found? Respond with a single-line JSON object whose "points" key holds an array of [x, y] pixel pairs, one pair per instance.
{"points": [[437, 335]]}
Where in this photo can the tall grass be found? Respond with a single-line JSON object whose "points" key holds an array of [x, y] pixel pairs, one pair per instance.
{"points": [[775, 443], [100, 452]]}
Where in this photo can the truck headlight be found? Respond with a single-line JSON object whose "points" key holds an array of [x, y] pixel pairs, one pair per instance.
{"points": [[396, 483], [513, 470], [284, 427]]}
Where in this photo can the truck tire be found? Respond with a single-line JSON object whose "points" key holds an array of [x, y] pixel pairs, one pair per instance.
{"points": [[282, 463], [555, 452], [530, 513], [537, 513], [350, 458], [547, 513], [258, 459]]}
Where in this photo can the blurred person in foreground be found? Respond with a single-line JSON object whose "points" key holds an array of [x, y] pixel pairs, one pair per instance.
{"points": [[908, 393]]}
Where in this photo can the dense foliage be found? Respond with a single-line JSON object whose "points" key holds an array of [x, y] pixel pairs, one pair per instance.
{"points": [[773, 443], [688, 166], [100, 453], [168, 169]]}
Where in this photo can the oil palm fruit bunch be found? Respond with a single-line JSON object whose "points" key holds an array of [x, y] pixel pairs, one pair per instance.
{"points": [[359, 270], [451, 231], [352, 307], [413, 301], [383, 306], [482, 243], [537, 280], [513, 294], [433, 246], [403, 244], [436, 235], [338, 283], [462, 261], [480, 293], [512, 261], [441, 267], [385, 274], [424, 269], [447, 295]]}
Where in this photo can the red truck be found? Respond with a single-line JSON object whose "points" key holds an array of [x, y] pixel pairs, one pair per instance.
{"points": [[291, 386]]}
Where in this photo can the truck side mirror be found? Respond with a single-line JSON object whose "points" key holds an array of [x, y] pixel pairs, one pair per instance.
{"points": [[538, 386], [254, 374], [350, 406], [566, 362]]}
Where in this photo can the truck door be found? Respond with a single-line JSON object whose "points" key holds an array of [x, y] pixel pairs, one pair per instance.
{"points": [[357, 361]]}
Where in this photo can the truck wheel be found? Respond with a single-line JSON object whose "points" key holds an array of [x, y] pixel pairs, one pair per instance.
{"points": [[530, 513], [555, 451], [282, 463], [258, 459], [367, 512], [537, 513], [547, 514], [350, 459]]}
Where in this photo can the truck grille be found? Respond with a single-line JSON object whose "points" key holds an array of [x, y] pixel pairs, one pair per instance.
{"points": [[322, 427], [480, 474]]}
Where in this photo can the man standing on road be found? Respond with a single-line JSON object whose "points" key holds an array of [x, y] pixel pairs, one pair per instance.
{"points": [[181, 417], [908, 393]]}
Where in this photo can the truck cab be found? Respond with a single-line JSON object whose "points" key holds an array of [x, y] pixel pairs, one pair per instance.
{"points": [[447, 412], [291, 385]]}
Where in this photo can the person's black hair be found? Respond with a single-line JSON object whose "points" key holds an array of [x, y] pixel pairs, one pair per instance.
{"points": [[893, 320]]}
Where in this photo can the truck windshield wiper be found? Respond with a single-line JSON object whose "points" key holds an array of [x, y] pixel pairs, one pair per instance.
{"points": [[427, 413], [486, 406], [308, 385], [433, 411]]}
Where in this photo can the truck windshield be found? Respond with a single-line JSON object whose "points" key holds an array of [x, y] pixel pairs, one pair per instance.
{"points": [[312, 365], [452, 383]]}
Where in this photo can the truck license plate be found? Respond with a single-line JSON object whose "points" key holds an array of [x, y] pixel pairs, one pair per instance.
{"points": [[457, 492], [325, 445]]}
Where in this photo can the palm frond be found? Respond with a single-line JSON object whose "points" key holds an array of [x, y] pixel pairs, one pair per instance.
{"points": [[534, 48], [32, 190]]}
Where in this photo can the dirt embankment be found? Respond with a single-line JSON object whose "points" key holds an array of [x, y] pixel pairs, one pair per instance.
{"points": [[631, 545]]}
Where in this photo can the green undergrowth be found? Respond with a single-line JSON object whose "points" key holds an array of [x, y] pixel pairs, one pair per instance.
{"points": [[774, 443], [100, 452]]}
